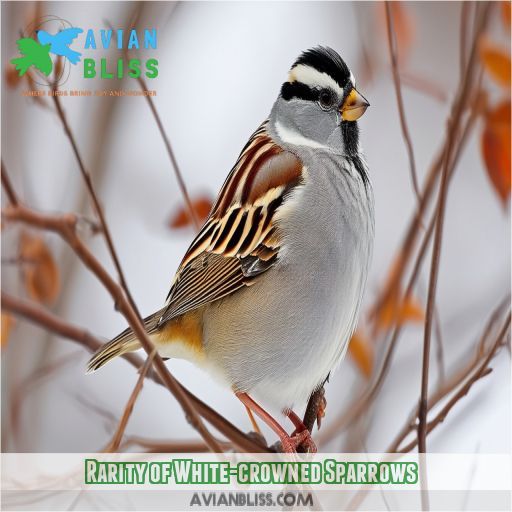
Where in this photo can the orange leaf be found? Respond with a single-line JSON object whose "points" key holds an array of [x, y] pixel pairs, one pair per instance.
{"points": [[361, 352], [496, 148], [7, 323], [40, 271], [505, 14], [12, 77], [394, 313], [495, 61], [181, 218], [403, 26]]}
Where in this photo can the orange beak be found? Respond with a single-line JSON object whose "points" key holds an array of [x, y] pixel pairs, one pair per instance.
{"points": [[354, 106]]}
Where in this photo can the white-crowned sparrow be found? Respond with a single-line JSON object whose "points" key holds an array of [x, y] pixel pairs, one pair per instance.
{"points": [[268, 294]]}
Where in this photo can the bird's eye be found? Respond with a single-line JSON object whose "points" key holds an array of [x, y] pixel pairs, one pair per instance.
{"points": [[326, 99]]}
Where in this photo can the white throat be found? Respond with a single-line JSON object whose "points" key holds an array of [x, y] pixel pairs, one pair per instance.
{"points": [[294, 138]]}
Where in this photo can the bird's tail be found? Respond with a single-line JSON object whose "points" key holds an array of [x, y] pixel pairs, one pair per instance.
{"points": [[122, 343], [21, 64]]}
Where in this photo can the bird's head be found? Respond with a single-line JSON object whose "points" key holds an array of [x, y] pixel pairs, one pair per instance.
{"points": [[43, 37], [319, 105]]}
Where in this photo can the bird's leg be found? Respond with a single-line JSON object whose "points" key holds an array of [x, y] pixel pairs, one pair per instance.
{"points": [[302, 431], [255, 426], [289, 443]]}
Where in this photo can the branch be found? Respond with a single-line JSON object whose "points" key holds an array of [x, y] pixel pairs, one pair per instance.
{"points": [[170, 152], [64, 226], [482, 371], [94, 198], [50, 322], [456, 379], [400, 101], [439, 394], [454, 123], [13, 198], [165, 138], [165, 446], [113, 445]]}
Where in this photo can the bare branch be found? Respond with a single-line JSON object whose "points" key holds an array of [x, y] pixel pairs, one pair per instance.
{"points": [[47, 320], [456, 379], [482, 371], [166, 446], [94, 198], [400, 101], [165, 138], [64, 226], [114, 443], [9, 190], [454, 124], [170, 152]]}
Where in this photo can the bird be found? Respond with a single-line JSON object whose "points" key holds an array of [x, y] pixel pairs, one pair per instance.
{"points": [[59, 43], [33, 54], [268, 294]]}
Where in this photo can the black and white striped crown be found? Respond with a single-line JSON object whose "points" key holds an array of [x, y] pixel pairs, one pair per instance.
{"points": [[319, 67]]}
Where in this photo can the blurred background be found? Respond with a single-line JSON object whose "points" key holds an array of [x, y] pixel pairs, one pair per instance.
{"points": [[220, 69]]}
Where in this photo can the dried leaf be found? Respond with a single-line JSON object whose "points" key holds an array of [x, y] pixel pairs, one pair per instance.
{"points": [[41, 274], [361, 352], [7, 323], [181, 218], [496, 149], [505, 14], [394, 312], [403, 26], [496, 62], [12, 77]]}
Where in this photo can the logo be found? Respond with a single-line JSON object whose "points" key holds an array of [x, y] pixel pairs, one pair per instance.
{"points": [[46, 41], [52, 44]]}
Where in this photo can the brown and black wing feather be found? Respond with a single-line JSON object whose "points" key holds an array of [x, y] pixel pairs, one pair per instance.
{"points": [[240, 239]]}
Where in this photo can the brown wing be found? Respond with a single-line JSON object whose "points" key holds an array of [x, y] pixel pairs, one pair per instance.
{"points": [[240, 238]]}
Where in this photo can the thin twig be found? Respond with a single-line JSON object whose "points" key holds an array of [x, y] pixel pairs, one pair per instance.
{"points": [[94, 198], [172, 156], [46, 320], [50, 321], [166, 446], [114, 443], [463, 36], [65, 227], [9, 190], [455, 380], [439, 346], [400, 101], [167, 143], [482, 372], [438, 395], [457, 111]]}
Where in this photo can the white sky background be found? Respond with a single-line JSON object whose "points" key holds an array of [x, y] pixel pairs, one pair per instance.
{"points": [[221, 66]]}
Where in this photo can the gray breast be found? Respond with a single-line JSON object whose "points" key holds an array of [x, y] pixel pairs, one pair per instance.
{"points": [[279, 338]]}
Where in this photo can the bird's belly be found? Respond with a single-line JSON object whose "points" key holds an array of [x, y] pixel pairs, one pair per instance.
{"points": [[279, 338]]}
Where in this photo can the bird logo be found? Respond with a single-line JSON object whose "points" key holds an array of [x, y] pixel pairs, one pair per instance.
{"points": [[59, 43], [33, 54], [37, 53]]}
